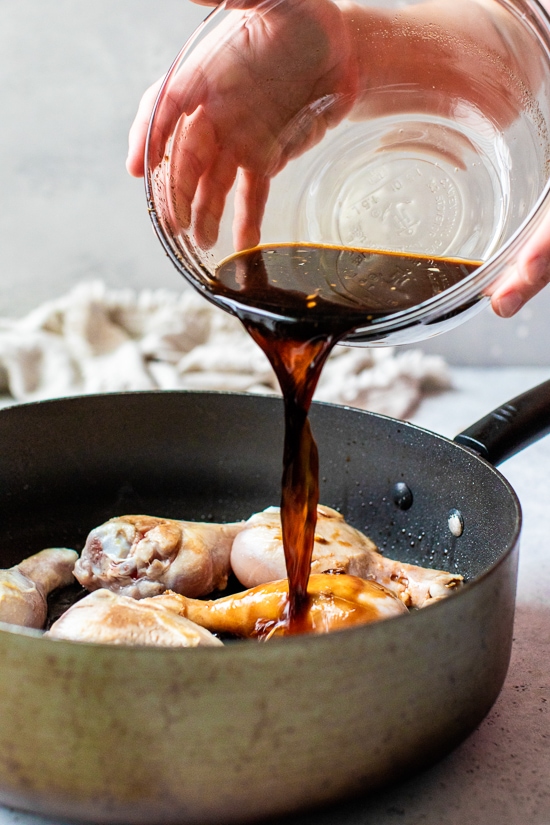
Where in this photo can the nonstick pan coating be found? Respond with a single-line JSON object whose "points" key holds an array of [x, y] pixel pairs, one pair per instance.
{"points": [[69, 465]]}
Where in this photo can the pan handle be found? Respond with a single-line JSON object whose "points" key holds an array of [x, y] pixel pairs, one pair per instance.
{"points": [[511, 427]]}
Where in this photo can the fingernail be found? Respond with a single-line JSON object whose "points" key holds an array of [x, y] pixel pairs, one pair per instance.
{"points": [[509, 304]]}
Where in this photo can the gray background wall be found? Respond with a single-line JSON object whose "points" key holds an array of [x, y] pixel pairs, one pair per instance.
{"points": [[71, 75]]}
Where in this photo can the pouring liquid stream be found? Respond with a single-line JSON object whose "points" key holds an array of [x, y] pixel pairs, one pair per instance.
{"points": [[297, 301]]}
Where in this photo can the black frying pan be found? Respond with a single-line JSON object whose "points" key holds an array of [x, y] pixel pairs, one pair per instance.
{"points": [[108, 734]]}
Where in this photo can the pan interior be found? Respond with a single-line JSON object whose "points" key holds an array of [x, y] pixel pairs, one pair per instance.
{"points": [[70, 464]]}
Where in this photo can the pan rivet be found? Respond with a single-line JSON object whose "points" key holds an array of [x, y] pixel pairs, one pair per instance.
{"points": [[402, 495], [455, 522]]}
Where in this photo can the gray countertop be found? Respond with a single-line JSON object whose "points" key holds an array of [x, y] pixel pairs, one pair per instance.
{"points": [[501, 773]]}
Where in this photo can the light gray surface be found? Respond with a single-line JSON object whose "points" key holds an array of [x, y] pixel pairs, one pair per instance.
{"points": [[501, 774], [71, 75], [488, 340]]}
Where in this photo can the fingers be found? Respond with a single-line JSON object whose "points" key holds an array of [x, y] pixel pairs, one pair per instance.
{"points": [[523, 284], [182, 96], [528, 277], [194, 150], [230, 4], [250, 200], [245, 4], [209, 202], [138, 131], [197, 173]]}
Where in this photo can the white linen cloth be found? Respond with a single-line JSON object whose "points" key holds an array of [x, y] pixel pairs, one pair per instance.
{"points": [[95, 339]]}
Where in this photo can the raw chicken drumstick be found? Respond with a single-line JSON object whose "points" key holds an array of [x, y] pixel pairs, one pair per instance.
{"points": [[142, 556], [24, 588], [335, 602], [109, 618], [257, 556]]}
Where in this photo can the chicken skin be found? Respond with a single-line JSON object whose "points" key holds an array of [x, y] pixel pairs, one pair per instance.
{"points": [[335, 602], [257, 557], [106, 617], [142, 556], [24, 588]]}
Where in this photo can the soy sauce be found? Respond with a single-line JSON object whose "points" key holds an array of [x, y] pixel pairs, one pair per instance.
{"points": [[297, 301]]}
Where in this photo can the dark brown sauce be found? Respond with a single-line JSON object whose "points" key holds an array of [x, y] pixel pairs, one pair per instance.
{"points": [[312, 297]]}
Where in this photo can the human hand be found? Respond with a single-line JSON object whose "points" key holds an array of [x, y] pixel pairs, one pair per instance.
{"points": [[532, 270], [529, 275], [282, 75]]}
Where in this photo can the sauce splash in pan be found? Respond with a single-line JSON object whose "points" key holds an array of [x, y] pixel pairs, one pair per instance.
{"points": [[297, 301]]}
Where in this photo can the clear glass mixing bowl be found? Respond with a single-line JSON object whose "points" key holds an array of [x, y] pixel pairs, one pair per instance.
{"points": [[415, 127]]}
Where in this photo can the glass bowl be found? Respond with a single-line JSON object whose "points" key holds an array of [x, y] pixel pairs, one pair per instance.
{"points": [[420, 129]]}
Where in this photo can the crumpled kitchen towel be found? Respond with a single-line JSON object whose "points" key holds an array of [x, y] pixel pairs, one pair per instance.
{"points": [[95, 339]]}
